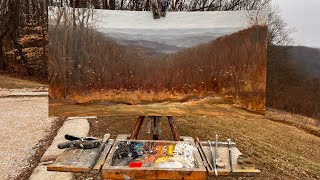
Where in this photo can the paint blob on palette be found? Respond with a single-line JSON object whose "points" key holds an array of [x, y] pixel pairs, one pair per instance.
{"points": [[127, 63], [154, 154]]}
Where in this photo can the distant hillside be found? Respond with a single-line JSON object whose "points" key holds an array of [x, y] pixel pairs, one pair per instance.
{"points": [[306, 59], [293, 80]]}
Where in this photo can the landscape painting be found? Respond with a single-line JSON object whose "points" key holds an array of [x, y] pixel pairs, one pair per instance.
{"points": [[110, 62]]}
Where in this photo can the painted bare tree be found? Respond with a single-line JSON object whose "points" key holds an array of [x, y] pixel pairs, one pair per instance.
{"points": [[68, 30]]}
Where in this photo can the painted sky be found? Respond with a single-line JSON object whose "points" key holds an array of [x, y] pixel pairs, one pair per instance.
{"points": [[304, 17], [178, 30]]}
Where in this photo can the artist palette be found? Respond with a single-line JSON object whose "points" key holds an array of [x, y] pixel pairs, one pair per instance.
{"points": [[149, 159]]}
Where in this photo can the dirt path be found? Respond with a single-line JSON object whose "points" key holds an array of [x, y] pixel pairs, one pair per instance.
{"points": [[279, 150]]}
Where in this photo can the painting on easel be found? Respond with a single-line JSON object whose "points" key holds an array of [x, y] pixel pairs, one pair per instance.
{"points": [[105, 62]]}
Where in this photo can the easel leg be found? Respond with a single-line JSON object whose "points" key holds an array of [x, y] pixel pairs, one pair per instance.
{"points": [[174, 129], [137, 127], [156, 127]]}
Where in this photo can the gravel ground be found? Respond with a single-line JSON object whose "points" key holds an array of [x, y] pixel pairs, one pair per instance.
{"points": [[24, 124]]}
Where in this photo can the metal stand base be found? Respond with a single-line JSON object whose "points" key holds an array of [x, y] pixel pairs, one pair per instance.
{"points": [[155, 135]]}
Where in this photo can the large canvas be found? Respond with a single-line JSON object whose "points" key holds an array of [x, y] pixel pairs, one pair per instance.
{"points": [[104, 62]]}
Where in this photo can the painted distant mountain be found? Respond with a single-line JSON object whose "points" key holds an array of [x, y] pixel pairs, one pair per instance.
{"points": [[167, 41], [152, 48], [177, 31]]}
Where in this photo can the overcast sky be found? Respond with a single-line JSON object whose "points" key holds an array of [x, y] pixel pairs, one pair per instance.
{"points": [[304, 16]]}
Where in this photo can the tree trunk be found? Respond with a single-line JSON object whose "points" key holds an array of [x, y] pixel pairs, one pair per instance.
{"points": [[3, 65], [17, 46], [112, 4], [105, 4], [147, 5], [27, 11], [121, 5]]}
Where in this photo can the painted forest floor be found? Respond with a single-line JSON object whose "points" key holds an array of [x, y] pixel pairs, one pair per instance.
{"points": [[280, 150]]}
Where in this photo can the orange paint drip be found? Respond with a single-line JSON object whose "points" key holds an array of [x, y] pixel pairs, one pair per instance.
{"points": [[159, 150]]}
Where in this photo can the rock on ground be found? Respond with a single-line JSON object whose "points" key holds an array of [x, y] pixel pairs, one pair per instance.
{"points": [[41, 173], [23, 92], [76, 127]]}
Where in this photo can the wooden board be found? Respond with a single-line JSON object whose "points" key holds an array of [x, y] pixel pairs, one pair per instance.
{"points": [[74, 160], [115, 172], [97, 167], [82, 160], [223, 154], [153, 174]]}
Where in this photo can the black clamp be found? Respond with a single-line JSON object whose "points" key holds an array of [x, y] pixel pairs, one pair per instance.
{"points": [[80, 142]]}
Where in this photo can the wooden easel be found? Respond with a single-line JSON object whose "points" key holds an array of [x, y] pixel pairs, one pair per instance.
{"points": [[155, 135]]}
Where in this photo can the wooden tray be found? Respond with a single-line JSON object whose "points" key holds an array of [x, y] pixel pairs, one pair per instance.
{"points": [[116, 172], [82, 160], [223, 153]]}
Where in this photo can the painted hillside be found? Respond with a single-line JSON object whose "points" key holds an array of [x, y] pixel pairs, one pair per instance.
{"points": [[97, 68]]}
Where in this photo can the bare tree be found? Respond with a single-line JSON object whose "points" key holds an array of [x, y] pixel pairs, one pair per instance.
{"points": [[19, 19]]}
